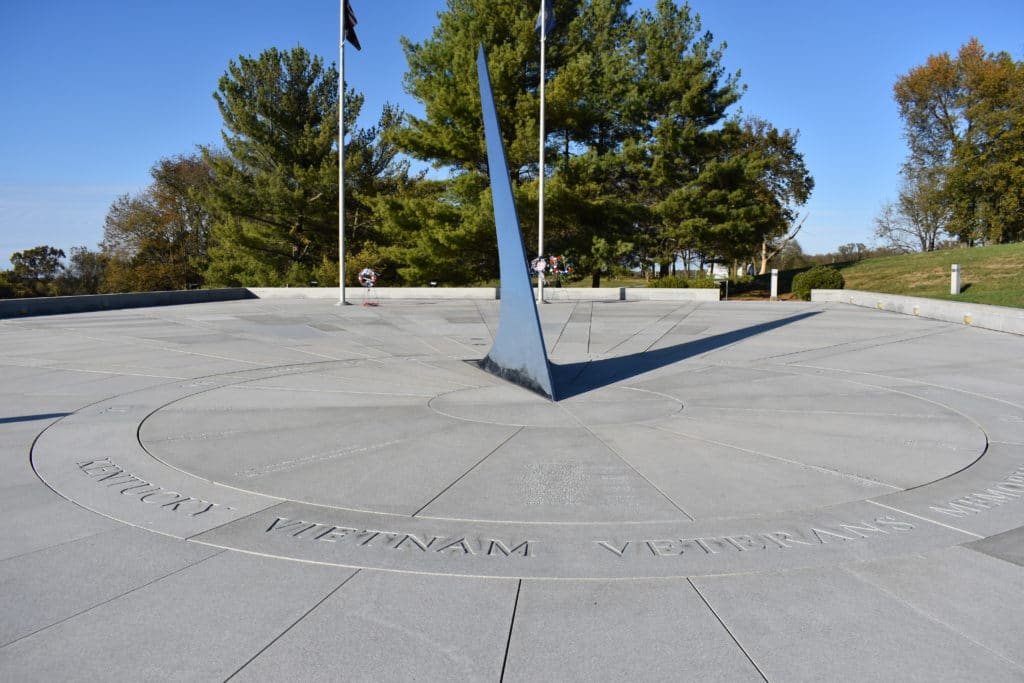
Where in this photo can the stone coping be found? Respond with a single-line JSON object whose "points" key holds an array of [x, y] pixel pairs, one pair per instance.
{"points": [[14, 308], [54, 305], [551, 294]]}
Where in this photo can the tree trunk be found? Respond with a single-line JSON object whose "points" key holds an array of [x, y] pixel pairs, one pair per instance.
{"points": [[595, 279], [765, 256]]}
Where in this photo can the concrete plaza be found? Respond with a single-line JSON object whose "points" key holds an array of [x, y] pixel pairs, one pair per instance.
{"points": [[288, 489]]}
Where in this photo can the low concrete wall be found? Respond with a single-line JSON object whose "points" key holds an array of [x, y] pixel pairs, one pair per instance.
{"points": [[551, 294], [554, 294], [666, 294], [1001, 318], [53, 305], [356, 293], [13, 308]]}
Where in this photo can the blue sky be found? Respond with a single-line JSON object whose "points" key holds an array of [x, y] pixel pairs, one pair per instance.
{"points": [[93, 94]]}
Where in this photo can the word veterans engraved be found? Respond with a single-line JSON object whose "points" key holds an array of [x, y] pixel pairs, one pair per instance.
{"points": [[394, 540], [113, 476], [713, 545]]}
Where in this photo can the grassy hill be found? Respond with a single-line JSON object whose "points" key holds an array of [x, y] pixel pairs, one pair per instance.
{"points": [[988, 275]]}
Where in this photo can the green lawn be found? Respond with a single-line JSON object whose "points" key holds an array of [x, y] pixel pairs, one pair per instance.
{"points": [[988, 275]]}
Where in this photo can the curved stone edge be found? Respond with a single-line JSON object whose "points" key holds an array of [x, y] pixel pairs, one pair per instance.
{"points": [[119, 480]]}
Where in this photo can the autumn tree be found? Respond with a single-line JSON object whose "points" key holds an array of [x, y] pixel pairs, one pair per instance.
{"points": [[964, 125], [157, 239]]}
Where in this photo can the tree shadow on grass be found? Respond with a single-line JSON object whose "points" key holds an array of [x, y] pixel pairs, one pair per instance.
{"points": [[573, 379]]}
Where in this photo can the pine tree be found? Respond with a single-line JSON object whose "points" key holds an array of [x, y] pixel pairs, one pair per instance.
{"points": [[275, 193]]}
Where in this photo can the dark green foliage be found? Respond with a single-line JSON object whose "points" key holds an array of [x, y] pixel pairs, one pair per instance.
{"points": [[679, 282], [35, 272], [10, 288], [275, 193], [818, 277], [643, 161], [84, 273], [41, 264], [437, 232]]}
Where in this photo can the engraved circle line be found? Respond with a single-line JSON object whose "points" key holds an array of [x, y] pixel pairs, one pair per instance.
{"points": [[507, 522], [274, 371]]}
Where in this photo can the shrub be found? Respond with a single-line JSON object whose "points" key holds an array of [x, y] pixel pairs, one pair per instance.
{"points": [[679, 282], [818, 277]]}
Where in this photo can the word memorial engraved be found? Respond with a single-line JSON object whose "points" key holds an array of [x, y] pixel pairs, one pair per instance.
{"points": [[1008, 490]]}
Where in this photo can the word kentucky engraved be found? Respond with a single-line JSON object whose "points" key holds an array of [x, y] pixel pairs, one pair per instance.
{"points": [[113, 476]]}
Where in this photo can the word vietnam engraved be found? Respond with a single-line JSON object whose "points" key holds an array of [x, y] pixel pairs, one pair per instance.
{"points": [[397, 540]]}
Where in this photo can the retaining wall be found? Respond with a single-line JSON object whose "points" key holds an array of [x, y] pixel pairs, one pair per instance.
{"points": [[1001, 318], [13, 308], [53, 305], [552, 294]]}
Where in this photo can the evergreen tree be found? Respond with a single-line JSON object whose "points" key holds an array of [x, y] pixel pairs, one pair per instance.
{"points": [[275, 193], [35, 271], [276, 190], [642, 157]]}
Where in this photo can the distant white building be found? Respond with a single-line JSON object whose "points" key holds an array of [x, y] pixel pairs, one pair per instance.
{"points": [[719, 271]]}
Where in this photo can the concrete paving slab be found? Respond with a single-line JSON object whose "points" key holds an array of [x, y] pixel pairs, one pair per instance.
{"points": [[35, 518], [1008, 546], [386, 627], [42, 588], [815, 625], [202, 622], [728, 491], [697, 473], [574, 632], [933, 584], [553, 475]]}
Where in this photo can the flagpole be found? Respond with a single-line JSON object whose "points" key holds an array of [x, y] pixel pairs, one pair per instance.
{"points": [[341, 156], [540, 206]]}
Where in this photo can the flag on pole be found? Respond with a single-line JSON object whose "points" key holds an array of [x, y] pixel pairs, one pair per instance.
{"points": [[546, 20], [350, 27]]}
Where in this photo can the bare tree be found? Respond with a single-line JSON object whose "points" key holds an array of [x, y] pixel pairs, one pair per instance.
{"points": [[916, 220], [772, 248]]}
